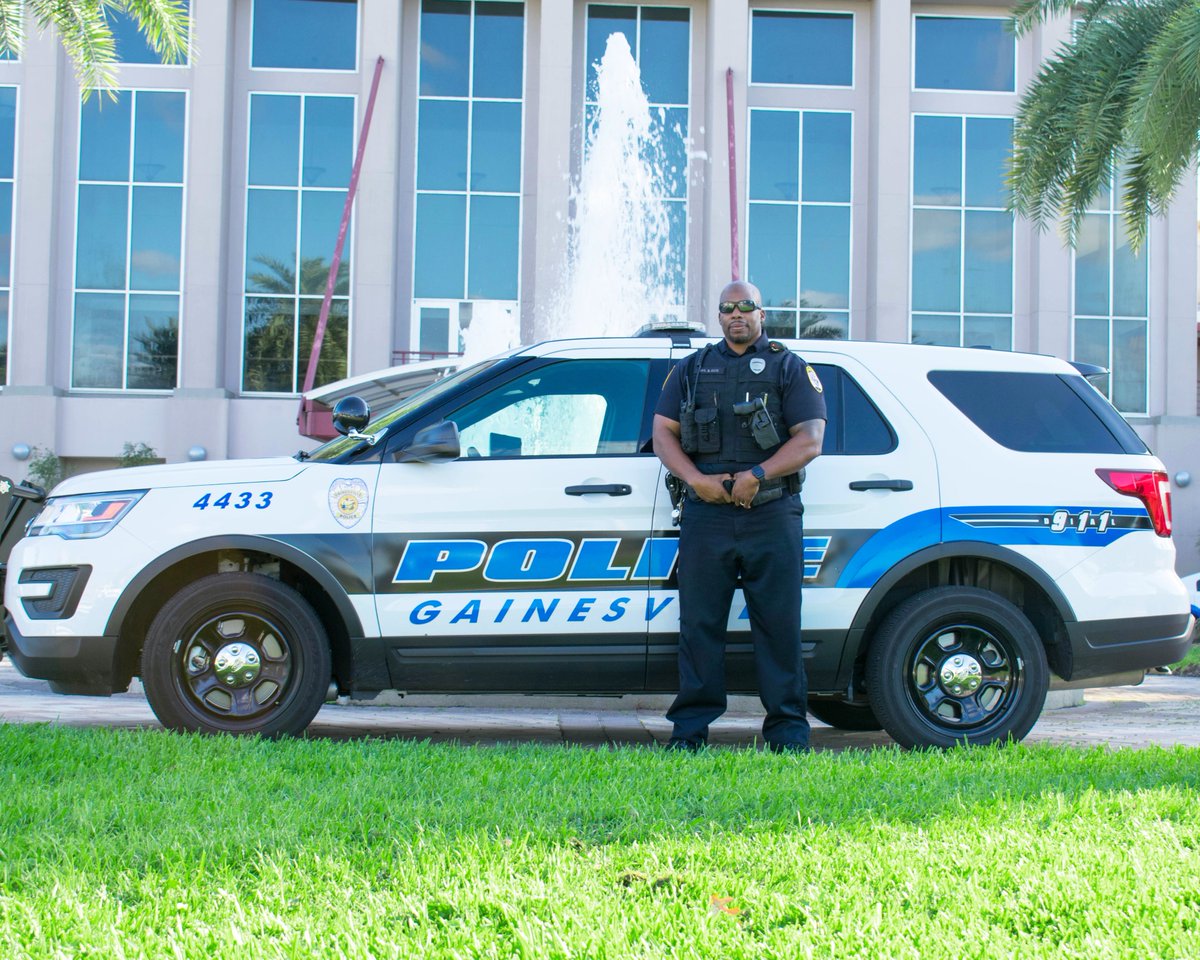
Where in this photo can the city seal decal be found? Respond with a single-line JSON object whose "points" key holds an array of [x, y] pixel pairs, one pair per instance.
{"points": [[348, 500], [814, 379], [758, 365]]}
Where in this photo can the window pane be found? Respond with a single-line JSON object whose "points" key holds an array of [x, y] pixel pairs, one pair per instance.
{"points": [[445, 48], [988, 255], [936, 258], [774, 154], [496, 147], [158, 137], [663, 57], [827, 156], [328, 141], [499, 49], [104, 137], [1129, 365], [274, 140], [271, 241], [1091, 341], [100, 247], [492, 273], [965, 53], [938, 330], [676, 258], [668, 126], [937, 161], [320, 219], [8, 130], [992, 332], [442, 145], [153, 342], [99, 344], [1091, 266], [6, 194], [825, 256], [772, 252], [305, 34], [1129, 276], [604, 20], [130, 42], [808, 48], [269, 342], [435, 330], [3, 337], [779, 324], [154, 256], [332, 364], [822, 325], [441, 247], [989, 143]]}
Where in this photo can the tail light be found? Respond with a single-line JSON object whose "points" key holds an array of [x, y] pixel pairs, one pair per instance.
{"points": [[1151, 487]]}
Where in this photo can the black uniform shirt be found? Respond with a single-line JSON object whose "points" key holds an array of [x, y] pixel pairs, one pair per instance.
{"points": [[802, 397]]}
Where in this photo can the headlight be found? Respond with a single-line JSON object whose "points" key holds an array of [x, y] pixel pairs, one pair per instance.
{"points": [[83, 517]]}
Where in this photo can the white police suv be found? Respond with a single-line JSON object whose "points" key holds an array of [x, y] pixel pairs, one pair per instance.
{"points": [[979, 523]]}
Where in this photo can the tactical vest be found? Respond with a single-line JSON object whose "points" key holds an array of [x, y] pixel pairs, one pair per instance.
{"points": [[721, 441]]}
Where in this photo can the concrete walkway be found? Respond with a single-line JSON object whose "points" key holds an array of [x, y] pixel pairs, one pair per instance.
{"points": [[1162, 710]]}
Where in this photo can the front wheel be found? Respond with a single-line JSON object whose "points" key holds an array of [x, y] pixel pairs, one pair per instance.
{"points": [[956, 665], [236, 653]]}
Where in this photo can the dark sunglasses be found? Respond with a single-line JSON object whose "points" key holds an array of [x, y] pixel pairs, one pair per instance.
{"points": [[745, 306]]}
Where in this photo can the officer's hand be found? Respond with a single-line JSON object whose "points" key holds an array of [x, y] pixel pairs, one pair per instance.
{"points": [[711, 488], [745, 486]]}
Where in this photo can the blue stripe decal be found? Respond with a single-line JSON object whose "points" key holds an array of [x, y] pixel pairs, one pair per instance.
{"points": [[1006, 526]]}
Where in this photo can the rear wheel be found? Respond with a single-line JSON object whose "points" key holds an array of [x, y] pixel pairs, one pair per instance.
{"points": [[956, 665], [842, 715], [236, 653]]}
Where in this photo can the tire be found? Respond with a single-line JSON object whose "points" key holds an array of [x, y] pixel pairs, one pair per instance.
{"points": [[845, 716], [236, 653], [956, 665]]}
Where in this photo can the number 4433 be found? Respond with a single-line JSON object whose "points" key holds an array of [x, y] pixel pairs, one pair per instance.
{"points": [[239, 501]]}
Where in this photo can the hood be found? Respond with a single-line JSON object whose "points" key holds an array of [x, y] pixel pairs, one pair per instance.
{"points": [[272, 470]]}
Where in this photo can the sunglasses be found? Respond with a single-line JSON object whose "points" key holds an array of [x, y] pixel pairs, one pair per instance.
{"points": [[745, 306]]}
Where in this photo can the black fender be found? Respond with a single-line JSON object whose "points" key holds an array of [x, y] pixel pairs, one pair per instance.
{"points": [[966, 549], [279, 548]]}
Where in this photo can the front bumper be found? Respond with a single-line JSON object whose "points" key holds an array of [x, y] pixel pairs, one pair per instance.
{"points": [[81, 665], [1101, 647]]}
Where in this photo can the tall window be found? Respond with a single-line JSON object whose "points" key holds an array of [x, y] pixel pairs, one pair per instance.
{"points": [[964, 53], [799, 227], [962, 235], [301, 153], [469, 123], [131, 42], [129, 241], [8, 132], [304, 34], [798, 237], [660, 40], [1112, 310]]}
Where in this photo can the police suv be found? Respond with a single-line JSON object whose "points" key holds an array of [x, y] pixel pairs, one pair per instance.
{"points": [[979, 524]]}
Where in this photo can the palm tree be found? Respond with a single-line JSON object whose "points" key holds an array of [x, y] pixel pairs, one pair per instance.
{"points": [[82, 27], [1124, 93]]}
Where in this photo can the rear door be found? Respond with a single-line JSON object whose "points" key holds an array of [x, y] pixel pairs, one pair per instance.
{"points": [[527, 563]]}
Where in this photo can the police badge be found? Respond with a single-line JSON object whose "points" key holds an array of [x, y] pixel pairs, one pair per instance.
{"points": [[758, 365], [348, 500]]}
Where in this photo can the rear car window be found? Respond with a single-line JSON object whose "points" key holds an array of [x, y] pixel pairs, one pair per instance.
{"points": [[1038, 412], [853, 425]]}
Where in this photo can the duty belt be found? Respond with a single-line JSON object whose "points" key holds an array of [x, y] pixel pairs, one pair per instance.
{"points": [[768, 490]]}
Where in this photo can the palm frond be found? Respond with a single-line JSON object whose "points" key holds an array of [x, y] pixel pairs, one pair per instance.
{"points": [[12, 28], [164, 24], [85, 35]]}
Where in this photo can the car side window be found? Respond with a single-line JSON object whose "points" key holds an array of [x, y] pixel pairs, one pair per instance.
{"points": [[853, 426], [561, 409]]}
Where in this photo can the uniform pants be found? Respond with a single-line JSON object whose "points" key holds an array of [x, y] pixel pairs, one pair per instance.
{"points": [[764, 547]]}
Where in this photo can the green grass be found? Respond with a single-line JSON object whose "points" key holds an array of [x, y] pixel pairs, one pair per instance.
{"points": [[1190, 664], [131, 844]]}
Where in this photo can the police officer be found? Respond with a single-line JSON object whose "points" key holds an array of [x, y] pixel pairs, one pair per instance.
{"points": [[737, 422]]}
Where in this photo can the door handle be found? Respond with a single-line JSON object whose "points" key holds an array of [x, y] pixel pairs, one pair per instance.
{"points": [[881, 485], [612, 489]]}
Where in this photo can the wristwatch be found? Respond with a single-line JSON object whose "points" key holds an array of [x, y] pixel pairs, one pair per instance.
{"points": [[759, 473]]}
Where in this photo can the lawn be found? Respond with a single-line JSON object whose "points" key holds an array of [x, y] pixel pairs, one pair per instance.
{"points": [[128, 844]]}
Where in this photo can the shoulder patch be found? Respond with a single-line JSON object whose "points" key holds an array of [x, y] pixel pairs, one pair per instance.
{"points": [[775, 346], [813, 378]]}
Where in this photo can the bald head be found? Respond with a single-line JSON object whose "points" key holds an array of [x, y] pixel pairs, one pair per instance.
{"points": [[739, 311]]}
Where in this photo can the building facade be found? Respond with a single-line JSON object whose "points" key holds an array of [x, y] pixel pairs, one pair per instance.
{"points": [[169, 248]]}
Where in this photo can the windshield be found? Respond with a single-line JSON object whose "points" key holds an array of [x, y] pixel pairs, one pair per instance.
{"points": [[339, 446]]}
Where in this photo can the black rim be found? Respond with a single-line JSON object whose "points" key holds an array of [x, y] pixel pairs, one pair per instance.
{"points": [[236, 665], [964, 678]]}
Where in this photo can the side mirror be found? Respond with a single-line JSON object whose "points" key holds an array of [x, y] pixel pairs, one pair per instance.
{"points": [[350, 415], [438, 441]]}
